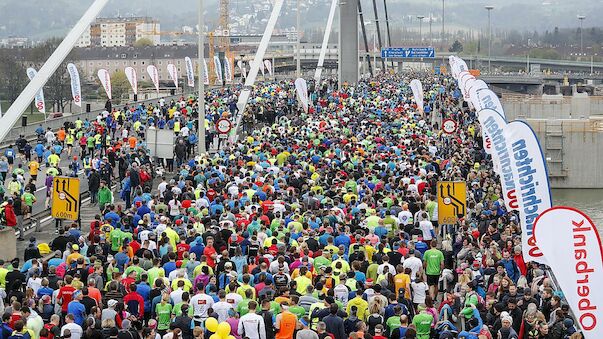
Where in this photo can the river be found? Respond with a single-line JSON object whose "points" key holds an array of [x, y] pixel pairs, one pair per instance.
{"points": [[589, 201]]}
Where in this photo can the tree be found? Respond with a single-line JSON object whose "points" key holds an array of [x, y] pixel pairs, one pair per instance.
{"points": [[119, 86], [58, 88], [456, 47], [13, 77], [143, 42]]}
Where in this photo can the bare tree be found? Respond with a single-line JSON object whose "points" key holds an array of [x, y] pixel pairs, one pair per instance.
{"points": [[12, 75], [58, 88]]}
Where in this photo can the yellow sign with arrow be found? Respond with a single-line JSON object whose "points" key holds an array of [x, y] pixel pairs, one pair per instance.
{"points": [[66, 198], [452, 201]]}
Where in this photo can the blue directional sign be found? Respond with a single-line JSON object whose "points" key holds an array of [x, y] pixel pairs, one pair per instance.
{"points": [[408, 52]]}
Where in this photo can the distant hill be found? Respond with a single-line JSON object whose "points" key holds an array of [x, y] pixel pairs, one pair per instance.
{"points": [[40, 19]]}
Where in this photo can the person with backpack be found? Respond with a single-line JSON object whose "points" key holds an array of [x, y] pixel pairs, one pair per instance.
{"points": [[20, 331]]}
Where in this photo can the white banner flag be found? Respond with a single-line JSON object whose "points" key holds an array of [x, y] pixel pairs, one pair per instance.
{"points": [[268, 65], [227, 71], [302, 92], [132, 79], [241, 66], [154, 74], [494, 126], [76, 87], [40, 105], [483, 101], [190, 73], [572, 246], [205, 73], [417, 92], [531, 181], [105, 79], [262, 68], [173, 72], [218, 69]]}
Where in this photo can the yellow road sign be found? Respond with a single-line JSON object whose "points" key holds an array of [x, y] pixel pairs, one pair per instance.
{"points": [[65, 198], [452, 201]]}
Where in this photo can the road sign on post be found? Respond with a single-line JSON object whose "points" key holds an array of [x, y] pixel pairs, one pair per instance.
{"points": [[452, 201], [449, 126], [223, 126], [65, 198], [408, 52]]}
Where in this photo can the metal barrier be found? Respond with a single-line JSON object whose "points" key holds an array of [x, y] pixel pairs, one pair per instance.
{"points": [[56, 123]]}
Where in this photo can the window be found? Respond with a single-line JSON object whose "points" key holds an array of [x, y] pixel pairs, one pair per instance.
{"points": [[160, 63], [143, 62], [134, 63], [143, 77], [123, 55], [135, 56]]}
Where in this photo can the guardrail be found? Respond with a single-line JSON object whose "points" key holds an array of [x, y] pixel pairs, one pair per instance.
{"points": [[29, 131]]}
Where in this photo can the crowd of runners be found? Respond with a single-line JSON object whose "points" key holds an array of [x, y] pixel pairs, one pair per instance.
{"points": [[318, 224]]}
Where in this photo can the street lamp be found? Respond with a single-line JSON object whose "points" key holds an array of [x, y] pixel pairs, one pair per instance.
{"points": [[442, 37], [489, 8], [200, 67], [581, 18], [298, 40], [421, 17]]}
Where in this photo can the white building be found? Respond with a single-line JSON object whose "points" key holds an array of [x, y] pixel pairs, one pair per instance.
{"points": [[120, 32]]}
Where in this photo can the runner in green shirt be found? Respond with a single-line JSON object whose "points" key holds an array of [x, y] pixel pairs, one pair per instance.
{"points": [[243, 307], [117, 237], [28, 198], [164, 313], [433, 261], [422, 322], [295, 308], [394, 322]]}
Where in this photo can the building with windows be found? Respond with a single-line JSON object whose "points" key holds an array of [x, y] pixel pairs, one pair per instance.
{"points": [[114, 59], [120, 32]]}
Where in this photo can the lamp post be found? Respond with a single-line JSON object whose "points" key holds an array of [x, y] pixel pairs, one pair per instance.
{"points": [[581, 18], [298, 42], [420, 17], [442, 37], [201, 99], [489, 8]]}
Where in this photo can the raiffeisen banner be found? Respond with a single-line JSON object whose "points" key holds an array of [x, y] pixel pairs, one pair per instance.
{"points": [[494, 126], [532, 183], [417, 91], [572, 246]]}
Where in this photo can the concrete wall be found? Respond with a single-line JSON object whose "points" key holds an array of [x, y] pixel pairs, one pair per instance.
{"points": [[581, 151], [8, 250], [348, 42], [552, 107]]}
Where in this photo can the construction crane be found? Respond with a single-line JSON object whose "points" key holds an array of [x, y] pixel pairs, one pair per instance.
{"points": [[218, 40]]}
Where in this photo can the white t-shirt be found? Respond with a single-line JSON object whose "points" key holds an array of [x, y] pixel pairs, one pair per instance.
{"points": [[176, 296], [174, 207], [405, 217], [419, 292], [75, 329], [414, 264], [200, 304], [426, 226], [221, 308], [233, 299]]}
